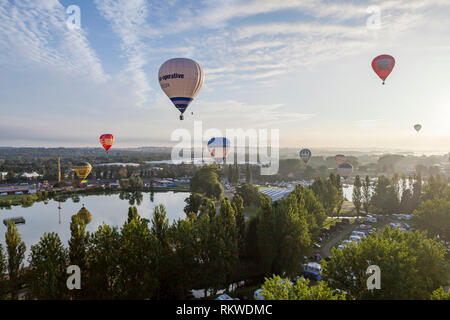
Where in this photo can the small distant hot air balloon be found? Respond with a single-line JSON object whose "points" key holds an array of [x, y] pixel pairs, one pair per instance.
{"points": [[417, 127], [305, 155], [345, 170], [383, 65], [82, 170], [340, 158], [107, 140], [219, 148], [181, 80]]}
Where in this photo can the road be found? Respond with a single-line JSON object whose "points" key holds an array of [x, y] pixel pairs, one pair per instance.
{"points": [[325, 250]]}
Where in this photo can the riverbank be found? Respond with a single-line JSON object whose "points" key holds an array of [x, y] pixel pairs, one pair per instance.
{"points": [[26, 200]]}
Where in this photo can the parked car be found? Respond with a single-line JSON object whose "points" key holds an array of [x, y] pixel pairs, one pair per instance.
{"points": [[355, 238], [257, 295]]}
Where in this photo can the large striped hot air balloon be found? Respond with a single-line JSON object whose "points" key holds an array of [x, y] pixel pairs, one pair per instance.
{"points": [[219, 148], [181, 80], [82, 170], [383, 65], [305, 155], [107, 140], [340, 158]]}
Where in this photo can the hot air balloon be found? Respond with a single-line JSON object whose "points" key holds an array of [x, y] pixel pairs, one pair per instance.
{"points": [[305, 154], [82, 170], [345, 170], [340, 158], [181, 80], [383, 65], [107, 140], [417, 127], [219, 148]]}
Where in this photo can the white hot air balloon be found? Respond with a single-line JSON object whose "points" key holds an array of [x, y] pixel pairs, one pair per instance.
{"points": [[181, 80]]}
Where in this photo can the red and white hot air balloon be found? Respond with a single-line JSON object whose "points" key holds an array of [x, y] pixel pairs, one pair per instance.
{"points": [[383, 65], [107, 140]]}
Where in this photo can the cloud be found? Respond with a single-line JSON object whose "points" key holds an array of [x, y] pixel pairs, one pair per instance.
{"points": [[34, 34], [128, 21]]}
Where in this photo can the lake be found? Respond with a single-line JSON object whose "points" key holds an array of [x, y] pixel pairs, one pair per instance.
{"points": [[110, 209]]}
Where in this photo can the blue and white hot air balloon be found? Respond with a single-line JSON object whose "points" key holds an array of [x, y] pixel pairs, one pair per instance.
{"points": [[219, 148], [181, 80], [305, 154]]}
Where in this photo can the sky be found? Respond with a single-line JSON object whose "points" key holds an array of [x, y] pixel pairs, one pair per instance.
{"points": [[300, 66]]}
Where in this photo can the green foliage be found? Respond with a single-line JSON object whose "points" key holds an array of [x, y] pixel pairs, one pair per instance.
{"points": [[48, 263], [327, 193], [15, 248], [137, 278], [250, 194], [276, 288], [384, 198], [440, 294], [357, 196], [411, 265], [193, 203], [207, 181], [3, 268], [434, 216], [100, 280], [289, 225]]}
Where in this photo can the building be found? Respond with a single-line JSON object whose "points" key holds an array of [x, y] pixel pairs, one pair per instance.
{"points": [[3, 175], [33, 175]]}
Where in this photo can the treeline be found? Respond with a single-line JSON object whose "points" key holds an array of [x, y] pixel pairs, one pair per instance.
{"points": [[399, 194], [209, 250]]}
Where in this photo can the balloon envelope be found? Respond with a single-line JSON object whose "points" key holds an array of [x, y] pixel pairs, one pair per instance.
{"points": [[219, 147], [107, 140], [383, 65], [340, 158], [417, 127], [305, 155], [345, 169], [181, 80], [82, 170]]}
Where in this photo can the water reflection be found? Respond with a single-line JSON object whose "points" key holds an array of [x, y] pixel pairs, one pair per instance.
{"points": [[112, 209]]}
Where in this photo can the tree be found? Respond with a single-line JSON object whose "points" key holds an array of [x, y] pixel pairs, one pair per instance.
{"points": [[406, 259], [248, 175], [15, 248], [185, 266], [283, 228], [226, 248], [193, 203], [238, 207], [207, 181], [103, 261], [3, 268], [327, 194], [276, 288], [78, 243], [132, 213], [137, 278], [357, 197], [440, 294], [366, 195], [48, 262], [384, 199], [336, 181], [434, 215]]}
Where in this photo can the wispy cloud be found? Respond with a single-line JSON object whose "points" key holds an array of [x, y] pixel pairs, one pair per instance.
{"points": [[34, 34], [128, 21]]}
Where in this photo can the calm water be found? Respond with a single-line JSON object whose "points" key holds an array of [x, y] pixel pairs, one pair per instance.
{"points": [[110, 209]]}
